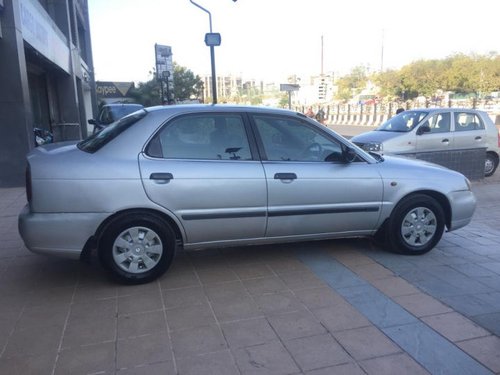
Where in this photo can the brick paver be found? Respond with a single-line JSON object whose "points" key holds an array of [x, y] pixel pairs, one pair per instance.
{"points": [[262, 310]]}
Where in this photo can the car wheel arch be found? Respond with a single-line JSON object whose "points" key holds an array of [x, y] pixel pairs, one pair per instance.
{"points": [[132, 211], [439, 197]]}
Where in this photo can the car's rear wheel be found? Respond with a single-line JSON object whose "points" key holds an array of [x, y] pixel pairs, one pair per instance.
{"points": [[137, 248], [416, 225], [490, 164]]}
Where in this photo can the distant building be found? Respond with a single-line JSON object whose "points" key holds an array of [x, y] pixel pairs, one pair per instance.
{"points": [[317, 90], [46, 75], [227, 87]]}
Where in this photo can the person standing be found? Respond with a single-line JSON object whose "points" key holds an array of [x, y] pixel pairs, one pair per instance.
{"points": [[320, 116]]}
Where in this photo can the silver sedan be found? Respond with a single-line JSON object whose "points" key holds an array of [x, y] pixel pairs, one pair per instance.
{"points": [[211, 176]]}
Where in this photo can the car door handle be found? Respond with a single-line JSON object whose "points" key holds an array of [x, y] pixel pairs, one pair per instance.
{"points": [[285, 176], [161, 176], [478, 138], [446, 140]]}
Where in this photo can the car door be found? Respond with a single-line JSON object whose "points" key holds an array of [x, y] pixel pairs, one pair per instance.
{"points": [[201, 168], [469, 130], [439, 138], [311, 189]]}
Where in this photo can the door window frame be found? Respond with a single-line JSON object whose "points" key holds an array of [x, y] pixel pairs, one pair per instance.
{"points": [[255, 156]]}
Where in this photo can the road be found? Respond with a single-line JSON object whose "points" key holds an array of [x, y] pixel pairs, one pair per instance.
{"points": [[349, 131]]}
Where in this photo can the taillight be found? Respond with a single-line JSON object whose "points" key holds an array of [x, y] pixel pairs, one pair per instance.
{"points": [[28, 183], [498, 137]]}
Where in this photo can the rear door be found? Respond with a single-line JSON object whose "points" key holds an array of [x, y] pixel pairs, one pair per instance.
{"points": [[469, 130], [203, 168]]}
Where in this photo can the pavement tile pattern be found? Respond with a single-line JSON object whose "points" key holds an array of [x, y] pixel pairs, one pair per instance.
{"points": [[331, 307]]}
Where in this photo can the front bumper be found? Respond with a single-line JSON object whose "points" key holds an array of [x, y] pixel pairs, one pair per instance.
{"points": [[59, 234], [463, 205]]}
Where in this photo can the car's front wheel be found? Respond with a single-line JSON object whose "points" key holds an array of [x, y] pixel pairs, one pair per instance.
{"points": [[137, 248], [416, 225]]}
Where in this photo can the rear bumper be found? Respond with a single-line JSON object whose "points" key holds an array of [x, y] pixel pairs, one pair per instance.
{"points": [[463, 205], [59, 234]]}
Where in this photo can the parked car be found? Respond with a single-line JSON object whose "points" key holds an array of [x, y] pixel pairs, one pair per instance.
{"points": [[110, 113], [211, 176], [435, 130]]}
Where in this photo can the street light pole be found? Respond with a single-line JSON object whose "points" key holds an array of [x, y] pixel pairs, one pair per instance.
{"points": [[212, 54]]}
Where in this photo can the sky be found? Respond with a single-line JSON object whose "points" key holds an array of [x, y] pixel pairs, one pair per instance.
{"points": [[272, 39]]}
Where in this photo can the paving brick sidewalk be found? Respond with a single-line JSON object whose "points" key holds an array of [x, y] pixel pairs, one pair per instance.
{"points": [[332, 307]]}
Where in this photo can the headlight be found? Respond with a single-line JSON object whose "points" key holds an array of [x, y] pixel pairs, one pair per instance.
{"points": [[373, 146], [468, 183]]}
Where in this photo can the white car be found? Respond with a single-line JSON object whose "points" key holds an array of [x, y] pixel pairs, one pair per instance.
{"points": [[436, 130]]}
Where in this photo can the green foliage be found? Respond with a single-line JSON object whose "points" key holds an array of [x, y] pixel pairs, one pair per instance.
{"points": [[185, 83], [475, 74], [352, 84], [147, 93], [283, 100]]}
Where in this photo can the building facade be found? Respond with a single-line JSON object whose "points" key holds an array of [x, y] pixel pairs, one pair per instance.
{"points": [[46, 77]]}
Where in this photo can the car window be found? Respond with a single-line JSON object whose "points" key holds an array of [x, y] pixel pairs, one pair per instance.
{"points": [[288, 139], [98, 140], [122, 110], [467, 121], [210, 137], [439, 123], [404, 122]]}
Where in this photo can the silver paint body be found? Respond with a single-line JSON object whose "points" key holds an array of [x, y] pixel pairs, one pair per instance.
{"points": [[221, 202], [399, 143]]}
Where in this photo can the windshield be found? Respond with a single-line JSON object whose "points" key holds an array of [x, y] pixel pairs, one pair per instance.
{"points": [[404, 122], [98, 140]]}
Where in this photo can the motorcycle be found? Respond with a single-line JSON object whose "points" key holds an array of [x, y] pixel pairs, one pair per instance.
{"points": [[42, 136]]}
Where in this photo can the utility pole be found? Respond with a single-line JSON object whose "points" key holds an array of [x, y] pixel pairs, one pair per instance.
{"points": [[321, 55], [211, 40], [382, 53]]}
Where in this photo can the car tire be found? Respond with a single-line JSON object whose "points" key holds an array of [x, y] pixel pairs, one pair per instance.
{"points": [[137, 248], [490, 164], [416, 225]]}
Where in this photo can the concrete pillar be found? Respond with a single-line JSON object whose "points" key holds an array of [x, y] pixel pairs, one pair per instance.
{"points": [[16, 118]]}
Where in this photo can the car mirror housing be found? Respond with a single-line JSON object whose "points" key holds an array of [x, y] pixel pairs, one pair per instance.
{"points": [[423, 129], [349, 154]]}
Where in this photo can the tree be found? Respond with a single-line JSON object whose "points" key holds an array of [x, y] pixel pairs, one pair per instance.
{"points": [[147, 93], [186, 85], [461, 73], [352, 84]]}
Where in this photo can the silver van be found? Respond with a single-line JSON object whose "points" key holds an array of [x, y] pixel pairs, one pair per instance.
{"points": [[434, 130]]}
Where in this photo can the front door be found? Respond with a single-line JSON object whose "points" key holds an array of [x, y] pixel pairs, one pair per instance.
{"points": [[439, 138], [311, 189]]}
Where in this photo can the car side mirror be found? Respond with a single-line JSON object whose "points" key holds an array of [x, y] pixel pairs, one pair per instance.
{"points": [[92, 121], [349, 154], [423, 129]]}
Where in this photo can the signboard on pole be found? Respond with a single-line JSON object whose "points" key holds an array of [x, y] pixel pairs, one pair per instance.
{"points": [[164, 66], [289, 87]]}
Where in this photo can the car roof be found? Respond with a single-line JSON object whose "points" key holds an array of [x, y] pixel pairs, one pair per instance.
{"points": [[123, 105], [193, 108], [433, 110]]}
